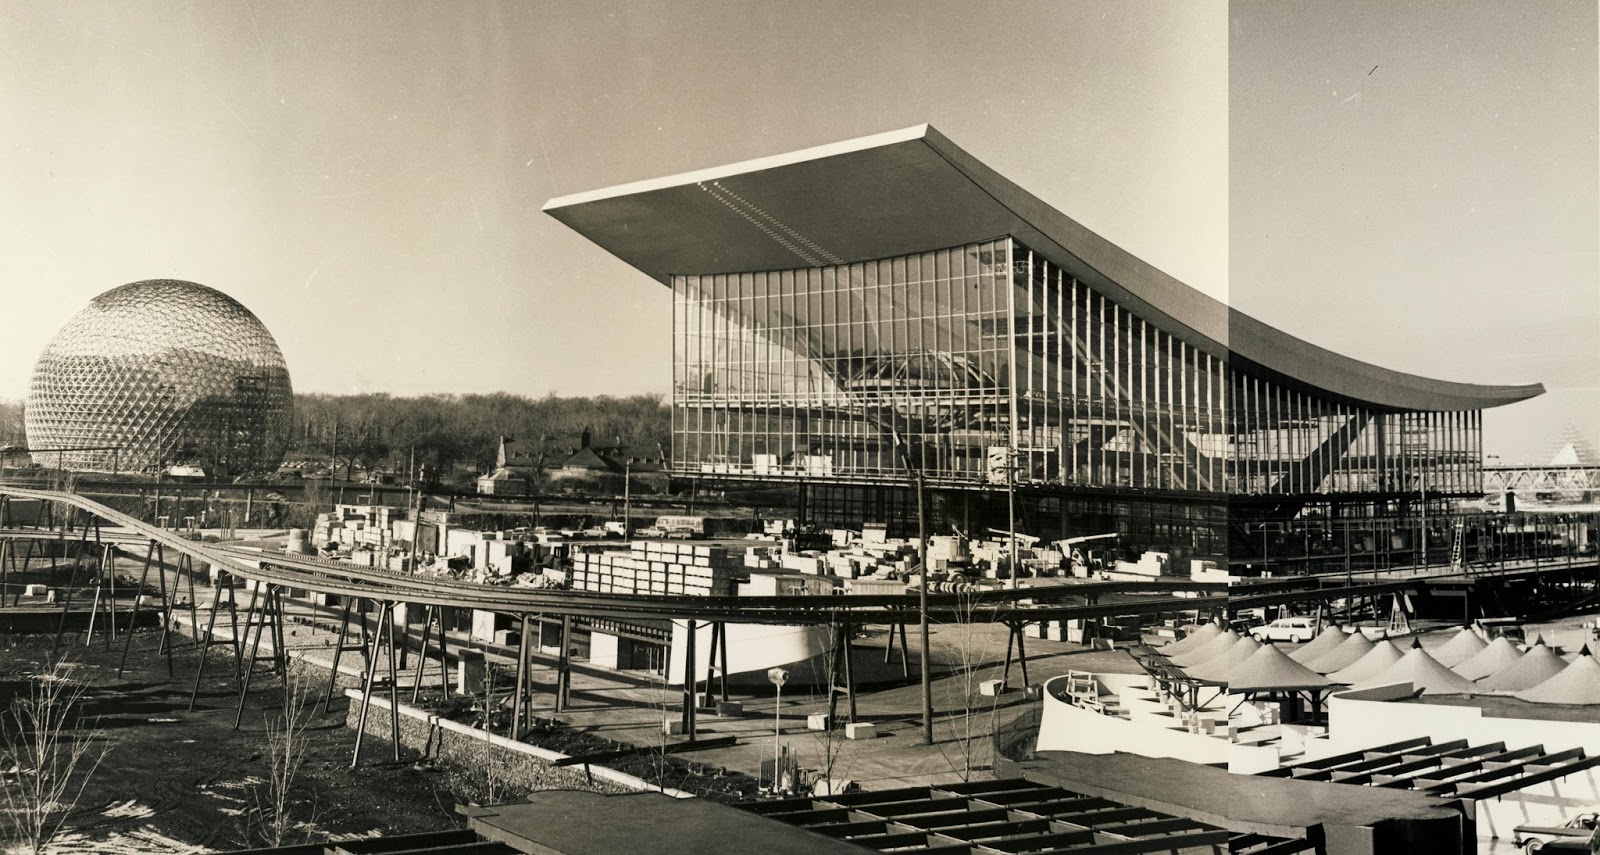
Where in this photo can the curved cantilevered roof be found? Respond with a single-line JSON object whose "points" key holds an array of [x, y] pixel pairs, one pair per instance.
{"points": [[912, 190]]}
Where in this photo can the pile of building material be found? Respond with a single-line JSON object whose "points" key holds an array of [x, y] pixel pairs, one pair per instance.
{"points": [[1149, 566], [356, 526], [992, 557], [765, 557], [649, 567]]}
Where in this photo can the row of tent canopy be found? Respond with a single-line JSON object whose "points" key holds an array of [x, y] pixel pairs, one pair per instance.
{"points": [[1464, 665]]}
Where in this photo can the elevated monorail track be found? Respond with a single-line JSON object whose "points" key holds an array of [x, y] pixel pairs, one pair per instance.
{"points": [[344, 579]]}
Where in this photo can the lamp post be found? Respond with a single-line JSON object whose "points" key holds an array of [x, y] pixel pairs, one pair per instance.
{"points": [[1422, 483], [1011, 505], [778, 676], [922, 586]]}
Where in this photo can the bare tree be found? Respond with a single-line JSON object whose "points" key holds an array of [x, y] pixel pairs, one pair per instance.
{"points": [[971, 660], [273, 814], [830, 741], [49, 757]]}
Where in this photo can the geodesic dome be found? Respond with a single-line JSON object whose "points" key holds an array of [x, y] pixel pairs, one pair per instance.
{"points": [[158, 373]]}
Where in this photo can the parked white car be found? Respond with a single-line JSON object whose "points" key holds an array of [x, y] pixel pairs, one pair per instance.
{"points": [[1290, 629]]}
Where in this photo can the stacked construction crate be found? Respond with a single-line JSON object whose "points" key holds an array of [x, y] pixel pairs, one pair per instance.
{"points": [[651, 567]]}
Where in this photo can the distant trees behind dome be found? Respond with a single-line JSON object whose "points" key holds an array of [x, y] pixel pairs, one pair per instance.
{"points": [[447, 433], [379, 432], [12, 431]]}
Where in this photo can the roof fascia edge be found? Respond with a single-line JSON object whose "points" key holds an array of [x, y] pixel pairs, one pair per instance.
{"points": [[742, 167], [1395, 390]]}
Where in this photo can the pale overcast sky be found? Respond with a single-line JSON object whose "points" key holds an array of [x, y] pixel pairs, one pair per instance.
{"points": [[1416, 184], [367, 177]]}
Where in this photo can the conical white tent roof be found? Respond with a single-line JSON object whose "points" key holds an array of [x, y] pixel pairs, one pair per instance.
{"points": [[1498, 656], [1217, 668], [1269, 669], [1217, 646], [1423, 672], [1330, 637], [1201, 635], [1381, 656], [1539, 664], [1463, 646], [1578, 683], [1343, 656]]}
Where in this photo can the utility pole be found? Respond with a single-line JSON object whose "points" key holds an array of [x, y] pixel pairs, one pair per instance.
{"points": [[922, 586], [333, 465], [922, 610], [1011, 513], [627, 498]]}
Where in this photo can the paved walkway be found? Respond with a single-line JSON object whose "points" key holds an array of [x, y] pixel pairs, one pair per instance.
{"points": [[630, 706]]}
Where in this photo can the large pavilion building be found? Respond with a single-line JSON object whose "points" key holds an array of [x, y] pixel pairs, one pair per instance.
{"points": [[850, 316]]}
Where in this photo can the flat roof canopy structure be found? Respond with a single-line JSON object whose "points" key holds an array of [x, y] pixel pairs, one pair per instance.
{"points": [[913, 190]]}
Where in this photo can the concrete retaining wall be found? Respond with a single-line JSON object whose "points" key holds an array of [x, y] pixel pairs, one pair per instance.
{"points": [[518, 763]]}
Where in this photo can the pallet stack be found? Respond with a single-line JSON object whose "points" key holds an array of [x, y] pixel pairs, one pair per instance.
{"points": [[649, 567], [352, 526]]}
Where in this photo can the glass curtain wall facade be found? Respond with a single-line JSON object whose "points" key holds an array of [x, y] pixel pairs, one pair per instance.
{"points": [[986, 364]]}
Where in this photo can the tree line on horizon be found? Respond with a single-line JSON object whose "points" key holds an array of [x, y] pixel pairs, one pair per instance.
{"points": [[448, 433]]}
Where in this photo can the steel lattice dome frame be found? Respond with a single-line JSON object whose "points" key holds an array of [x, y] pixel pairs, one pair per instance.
{"points": [[157, 373]]}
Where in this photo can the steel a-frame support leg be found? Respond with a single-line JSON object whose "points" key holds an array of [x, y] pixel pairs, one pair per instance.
{"points": [[422, 653], [79, 547], [138, 595], [166, 606], [1014, 638], [689, 683], [385, 616], [99, 595], [888, 648], [256, 620], [564, 666], [432, 616], [186, 572], [205, 646], [394, 689], [338, 651], [520, 700], [841, 668], [267, 619]]}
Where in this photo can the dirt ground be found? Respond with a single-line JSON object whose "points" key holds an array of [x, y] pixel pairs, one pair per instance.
{"points": [[179, 781], [176, 781]]}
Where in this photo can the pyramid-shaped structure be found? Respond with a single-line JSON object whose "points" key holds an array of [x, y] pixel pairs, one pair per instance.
{"points": [[1539, 664], [1578, 683], [1423, 672], [1381, 656], [1346, 654], [1461, 647], [1330, 637], [1498, 656], [1208, 651], [1218, 668], [1573, 449], [1269, 669], [1193, 640]]}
